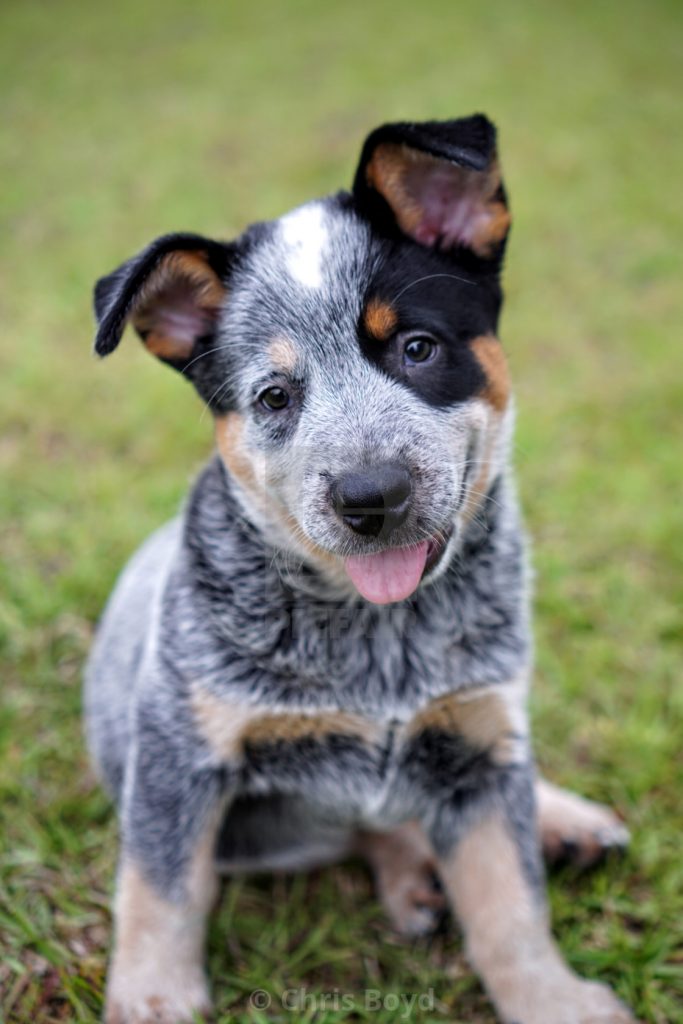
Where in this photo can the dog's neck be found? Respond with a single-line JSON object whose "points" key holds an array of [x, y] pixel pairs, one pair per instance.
{"points": [[251, 607]]}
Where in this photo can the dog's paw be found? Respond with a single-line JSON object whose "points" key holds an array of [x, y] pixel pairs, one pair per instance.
{"points": [[575, 830], [569, 1000], [415, 902], [173, 1000], [407, 882]]}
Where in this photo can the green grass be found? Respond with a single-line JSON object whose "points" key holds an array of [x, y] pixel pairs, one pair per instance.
{"points": [[122, 121]]}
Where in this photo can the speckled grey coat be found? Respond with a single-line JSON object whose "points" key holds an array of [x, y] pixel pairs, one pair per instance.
{"points": [[333, 639]]}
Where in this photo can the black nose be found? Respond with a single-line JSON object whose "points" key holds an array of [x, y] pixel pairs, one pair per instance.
{"points": [[374, 500]]}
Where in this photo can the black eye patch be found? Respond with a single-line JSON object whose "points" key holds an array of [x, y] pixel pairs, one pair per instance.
{"points": [[417, 298], [449, 374]]}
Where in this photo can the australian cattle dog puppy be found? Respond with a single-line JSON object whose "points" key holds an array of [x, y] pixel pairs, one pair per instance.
{"points": [[329, 651]]}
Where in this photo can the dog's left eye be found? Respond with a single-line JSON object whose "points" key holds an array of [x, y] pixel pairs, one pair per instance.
{"points": [[418, 350], [274, 399]]}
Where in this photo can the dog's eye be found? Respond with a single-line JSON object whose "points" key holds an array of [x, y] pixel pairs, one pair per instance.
{"points": [[418, 350], [274, 399]]}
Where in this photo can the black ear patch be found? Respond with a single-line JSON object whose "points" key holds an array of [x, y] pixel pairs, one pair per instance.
{"points": [[172, 293], [438, 182]]}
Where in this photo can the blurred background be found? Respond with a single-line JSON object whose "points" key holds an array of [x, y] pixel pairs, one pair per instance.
{"points": [[120, 122]]}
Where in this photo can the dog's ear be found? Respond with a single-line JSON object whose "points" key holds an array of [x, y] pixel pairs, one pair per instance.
{"points": [[172, 293], [437, 182]]}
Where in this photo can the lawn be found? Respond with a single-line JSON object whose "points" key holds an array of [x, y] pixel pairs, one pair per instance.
{"points": [[122, 121]]}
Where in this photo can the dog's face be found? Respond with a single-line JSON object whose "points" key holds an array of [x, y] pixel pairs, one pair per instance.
{"points": [[348, 352]]}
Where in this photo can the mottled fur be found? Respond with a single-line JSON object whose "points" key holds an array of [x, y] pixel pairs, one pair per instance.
{"points": [[246, 707]]}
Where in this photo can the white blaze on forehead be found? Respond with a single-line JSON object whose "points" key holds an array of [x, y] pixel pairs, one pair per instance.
{"points": [[305, 236]]}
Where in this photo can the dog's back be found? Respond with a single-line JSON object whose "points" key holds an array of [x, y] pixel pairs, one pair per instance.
{"points": [[123, 637]]}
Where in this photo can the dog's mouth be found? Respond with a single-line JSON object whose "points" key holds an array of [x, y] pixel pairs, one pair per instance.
{"points": [[395, 574]]}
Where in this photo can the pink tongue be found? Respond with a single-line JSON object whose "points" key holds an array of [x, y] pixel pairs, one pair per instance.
{"points": [[389, 576]]}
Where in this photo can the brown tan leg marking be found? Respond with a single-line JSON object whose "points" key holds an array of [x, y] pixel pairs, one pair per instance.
{"points": [[157, 970], [575, 829], [220, 723], [289, 728], [404, 866], [508, 939], [227, 727], [485, 720]]}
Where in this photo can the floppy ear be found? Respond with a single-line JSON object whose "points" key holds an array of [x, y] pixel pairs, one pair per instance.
{"points": [[439, 182], [172, 293]]}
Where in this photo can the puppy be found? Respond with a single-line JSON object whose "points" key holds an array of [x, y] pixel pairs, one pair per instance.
{"points": [[329, 651]]}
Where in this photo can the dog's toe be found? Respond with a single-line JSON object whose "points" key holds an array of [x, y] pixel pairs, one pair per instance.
{"points": [[407, 882], [577, 831], [415, 904]]}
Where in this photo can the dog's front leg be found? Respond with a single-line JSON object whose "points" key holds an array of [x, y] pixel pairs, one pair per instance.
{"points": [[489, 861], [166, 886]]}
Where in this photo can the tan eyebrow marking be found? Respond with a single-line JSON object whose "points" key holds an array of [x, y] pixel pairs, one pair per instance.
{"points": [[379, 319], [282, 353]]}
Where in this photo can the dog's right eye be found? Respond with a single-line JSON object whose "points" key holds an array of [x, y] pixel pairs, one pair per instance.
{"points": [[274, 399]]}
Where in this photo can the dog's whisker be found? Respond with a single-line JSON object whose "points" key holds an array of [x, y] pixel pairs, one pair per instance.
{"points": [[203, 355], [429, 277], [212, 398]]}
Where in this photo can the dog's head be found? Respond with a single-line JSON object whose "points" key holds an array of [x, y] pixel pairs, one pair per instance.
{"points": [[348, 352]]}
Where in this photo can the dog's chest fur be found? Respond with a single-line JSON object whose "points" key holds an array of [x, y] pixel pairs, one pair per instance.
{"points": [[291, 690]]}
